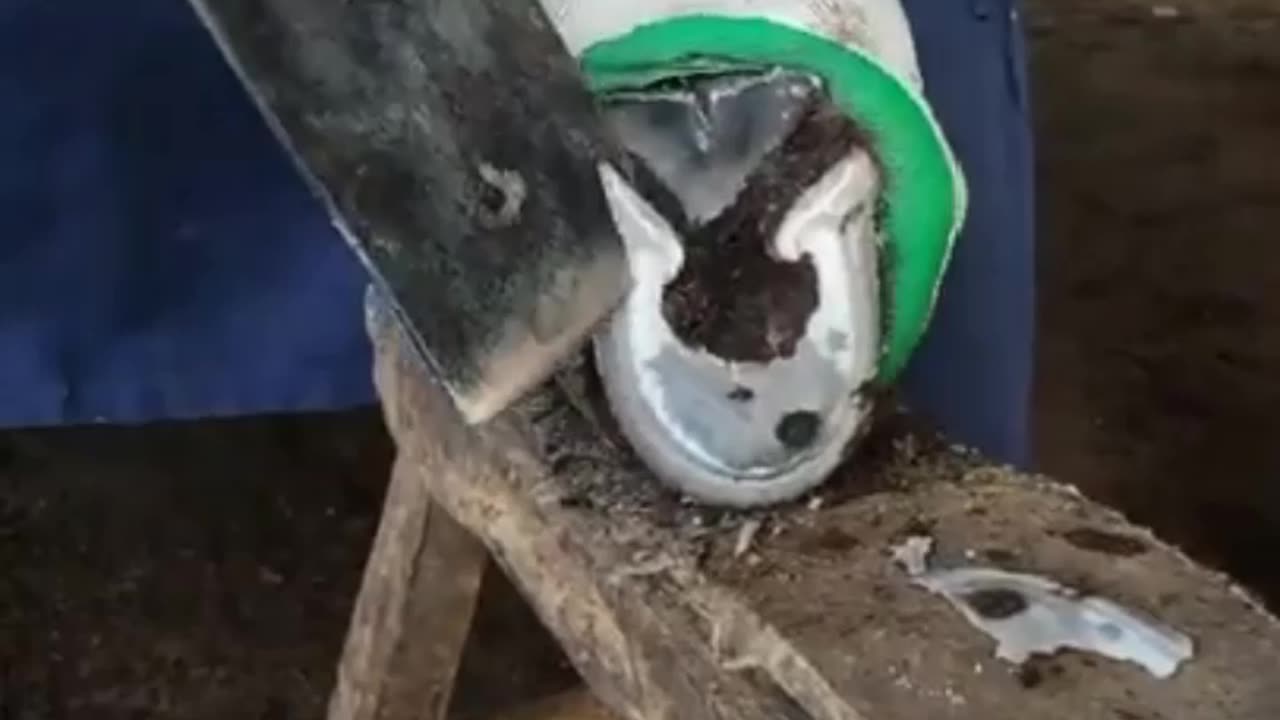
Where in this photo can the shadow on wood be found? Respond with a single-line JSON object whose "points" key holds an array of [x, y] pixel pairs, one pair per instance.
{"points": [[574, 705]]}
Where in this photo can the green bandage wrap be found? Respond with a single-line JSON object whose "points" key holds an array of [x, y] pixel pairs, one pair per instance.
{"points": [[924, 195]]}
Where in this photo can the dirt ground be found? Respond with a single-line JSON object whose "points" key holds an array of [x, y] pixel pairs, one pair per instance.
{"points": [[207, 571], [1160, 312]]}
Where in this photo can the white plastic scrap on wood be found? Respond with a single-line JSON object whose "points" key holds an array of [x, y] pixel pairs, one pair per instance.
{"points": [[1028, 614]]}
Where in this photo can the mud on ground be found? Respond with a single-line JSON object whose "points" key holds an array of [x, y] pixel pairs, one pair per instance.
{"points": [[206, 571]]}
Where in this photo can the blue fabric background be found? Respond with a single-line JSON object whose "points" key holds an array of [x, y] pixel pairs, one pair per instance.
{"points": [[973, 373], [160, 258]]}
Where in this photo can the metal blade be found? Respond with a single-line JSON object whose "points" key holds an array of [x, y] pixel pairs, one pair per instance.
{"points": [[457, 148]]}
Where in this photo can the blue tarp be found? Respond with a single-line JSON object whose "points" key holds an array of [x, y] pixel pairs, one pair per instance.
{"points": [[160, 258]]}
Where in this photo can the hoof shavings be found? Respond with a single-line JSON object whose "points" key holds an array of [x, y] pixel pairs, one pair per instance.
{"points": [[1029, 615]]}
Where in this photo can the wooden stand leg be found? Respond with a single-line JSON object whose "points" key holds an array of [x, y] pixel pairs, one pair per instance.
{"points": [[414, 611]]}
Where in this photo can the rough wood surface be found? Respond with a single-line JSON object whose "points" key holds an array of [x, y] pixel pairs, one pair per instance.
{"points": [[413, 614], [672, 611]]}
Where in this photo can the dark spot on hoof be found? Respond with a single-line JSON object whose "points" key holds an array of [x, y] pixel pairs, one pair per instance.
{"points": [[997, 604], [1111, 631], [742, 393], [799, 429], [1105, 542]]}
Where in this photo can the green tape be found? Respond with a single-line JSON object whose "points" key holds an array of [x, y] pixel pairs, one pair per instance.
{"points": [[925, 194]]}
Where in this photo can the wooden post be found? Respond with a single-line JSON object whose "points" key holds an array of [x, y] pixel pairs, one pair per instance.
{"points": [[414, 611], [671, 612]]}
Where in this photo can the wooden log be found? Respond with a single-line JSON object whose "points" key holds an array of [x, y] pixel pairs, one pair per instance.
{"points": [[673, 611], [413, 615]]}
